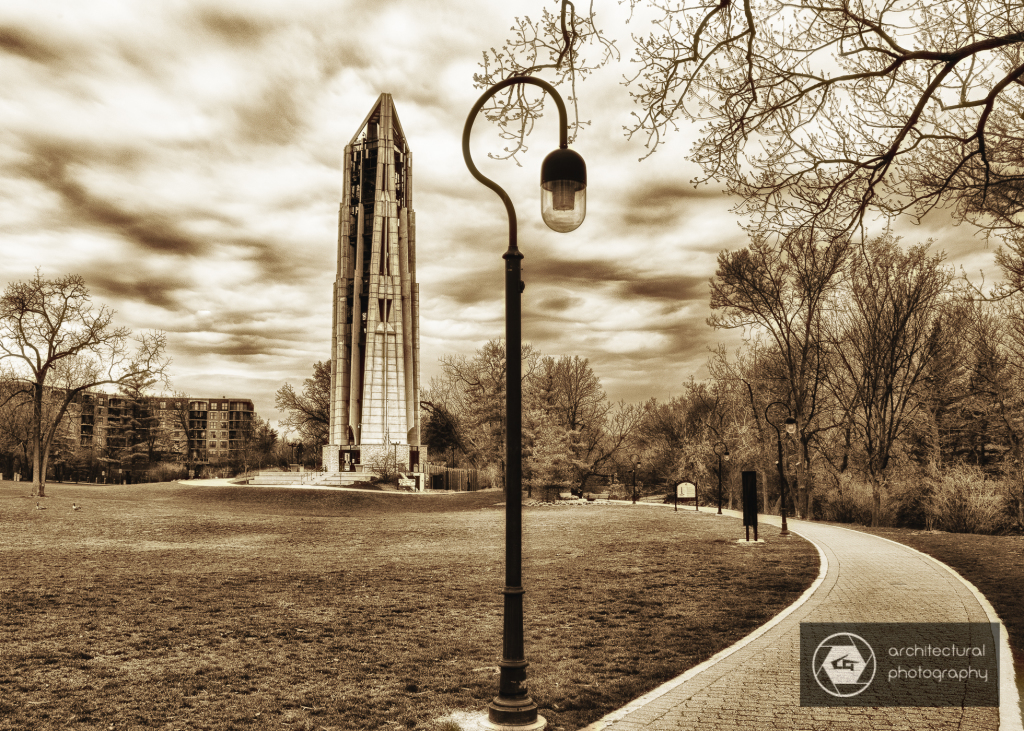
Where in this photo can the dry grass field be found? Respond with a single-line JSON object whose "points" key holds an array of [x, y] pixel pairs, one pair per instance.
{"points": [[173, 607]]}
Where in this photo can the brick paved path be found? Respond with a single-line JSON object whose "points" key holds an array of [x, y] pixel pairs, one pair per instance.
{"points": [[757, 687]]}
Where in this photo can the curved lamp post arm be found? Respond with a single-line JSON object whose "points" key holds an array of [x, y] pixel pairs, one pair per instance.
{"points": [[563, 143]]}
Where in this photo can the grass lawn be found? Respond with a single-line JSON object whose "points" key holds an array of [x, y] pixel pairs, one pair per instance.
{"points": [[992, 563], [173, 607]]}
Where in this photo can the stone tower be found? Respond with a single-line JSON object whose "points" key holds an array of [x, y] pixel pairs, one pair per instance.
{"points": [[375, 345]]}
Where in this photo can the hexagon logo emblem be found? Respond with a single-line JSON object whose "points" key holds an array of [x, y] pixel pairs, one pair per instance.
{"points": [[844, 665]]}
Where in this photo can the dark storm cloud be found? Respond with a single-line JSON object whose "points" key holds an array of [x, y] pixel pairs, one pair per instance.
{"points": [[53, 162], [541, 269], [571, 274], [678, 288], [127, 284], [20, 42], [629, 282], [558, 302], [265, 325], [662, 204], [286, 263], [235, 347]]}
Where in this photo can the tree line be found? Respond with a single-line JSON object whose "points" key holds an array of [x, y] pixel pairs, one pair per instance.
{"points": [[897, 372]]}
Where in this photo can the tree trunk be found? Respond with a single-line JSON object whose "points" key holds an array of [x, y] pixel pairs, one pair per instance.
{"points": [[38, 475], [876, 500]]}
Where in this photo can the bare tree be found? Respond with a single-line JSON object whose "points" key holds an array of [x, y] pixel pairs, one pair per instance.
{"points": [[814, 114], [601, 447], [178, 426], [59, 342], [15, 418], [996, 394], [887, 332], [579, 399], [782, 291], [309, 412], [255, 442], [473, 391]]}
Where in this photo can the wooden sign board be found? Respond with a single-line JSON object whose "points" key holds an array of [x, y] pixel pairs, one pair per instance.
{"points": [[686, 491]]}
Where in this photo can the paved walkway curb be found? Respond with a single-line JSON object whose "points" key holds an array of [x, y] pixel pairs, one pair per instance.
{"points": [[863, 578], [233, 482]]}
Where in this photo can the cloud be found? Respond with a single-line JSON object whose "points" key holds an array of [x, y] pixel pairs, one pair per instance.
{"points": [[23, 43], [155, 291], [677, 288], [54, 162], [243, 30], [663, 204]]}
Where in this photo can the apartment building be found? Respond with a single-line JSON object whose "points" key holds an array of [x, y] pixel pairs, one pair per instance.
{"points": [[217, 427], [211, 430]]}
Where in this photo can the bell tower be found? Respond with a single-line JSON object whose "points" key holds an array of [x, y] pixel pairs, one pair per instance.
{"points": [[375, 344]]}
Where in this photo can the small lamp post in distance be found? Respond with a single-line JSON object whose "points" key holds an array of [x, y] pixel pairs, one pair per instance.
{"points": [[790, 424], [724, 452], [563, 197]]}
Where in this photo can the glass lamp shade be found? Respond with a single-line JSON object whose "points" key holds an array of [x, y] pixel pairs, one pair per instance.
{"points": [[563, 190], [791, 425], [726, 456]]}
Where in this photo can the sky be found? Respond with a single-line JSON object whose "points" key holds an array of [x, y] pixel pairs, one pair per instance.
{"points": [[184, 157]]}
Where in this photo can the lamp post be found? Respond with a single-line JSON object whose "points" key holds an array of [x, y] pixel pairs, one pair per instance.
{"points": [[563, 181], [723, 453], [790, 423]]}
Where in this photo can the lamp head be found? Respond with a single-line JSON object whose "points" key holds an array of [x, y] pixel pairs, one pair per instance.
{"points": [[726, 456], [563, 190], [791, 425]]}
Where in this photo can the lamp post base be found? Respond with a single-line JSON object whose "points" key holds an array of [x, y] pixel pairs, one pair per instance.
{"points": [[488, 725], [514, 712]]}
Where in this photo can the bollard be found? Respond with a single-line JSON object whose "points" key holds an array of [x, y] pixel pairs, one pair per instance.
{"points": [[750, 502]]}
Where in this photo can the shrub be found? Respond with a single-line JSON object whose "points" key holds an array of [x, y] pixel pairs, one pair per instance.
{"points": [[846, 500], [551, 491], [385, 467], [908, 501], [167, 471], [966, 502]]}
